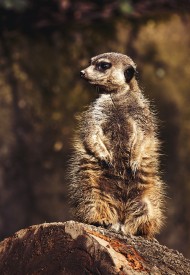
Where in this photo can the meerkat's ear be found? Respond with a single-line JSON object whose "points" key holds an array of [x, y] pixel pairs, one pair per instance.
{"points": [[129, 73]]}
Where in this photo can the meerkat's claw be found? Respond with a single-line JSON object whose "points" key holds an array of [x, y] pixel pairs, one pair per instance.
{"points": [[104, 224], [134, 168], [106, 164]]}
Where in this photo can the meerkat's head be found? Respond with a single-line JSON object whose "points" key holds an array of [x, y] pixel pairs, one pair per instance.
{"points": [[111, 71]]}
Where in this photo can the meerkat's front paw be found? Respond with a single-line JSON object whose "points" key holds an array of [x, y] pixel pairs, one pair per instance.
{"points": [[106, 160], [105, 163]]}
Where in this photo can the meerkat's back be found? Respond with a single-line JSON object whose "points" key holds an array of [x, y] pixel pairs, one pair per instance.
{"points": [[115, 169]]}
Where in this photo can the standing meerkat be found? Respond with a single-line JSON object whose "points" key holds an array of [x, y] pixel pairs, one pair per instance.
{"points": [[114, 170]]}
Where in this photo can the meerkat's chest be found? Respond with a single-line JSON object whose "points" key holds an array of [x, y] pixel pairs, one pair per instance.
{"points": [[117, 123], [118, 127]]}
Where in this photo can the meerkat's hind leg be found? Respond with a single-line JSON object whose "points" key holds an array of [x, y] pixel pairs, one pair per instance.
{"points": [[147, 229], [98, 213], [141, 219]]}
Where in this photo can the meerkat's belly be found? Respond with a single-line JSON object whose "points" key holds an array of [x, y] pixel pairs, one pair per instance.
{"points": [[119, 134]]}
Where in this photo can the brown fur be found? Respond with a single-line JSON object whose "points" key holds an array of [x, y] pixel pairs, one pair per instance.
{"points": [[114, 170]]}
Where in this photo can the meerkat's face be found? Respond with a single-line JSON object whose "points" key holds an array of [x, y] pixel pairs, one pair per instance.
{"points": [[110, 71]]}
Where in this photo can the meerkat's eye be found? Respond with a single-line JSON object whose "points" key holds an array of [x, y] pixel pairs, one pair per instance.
{"points": [[102, 66], [129, 73]]}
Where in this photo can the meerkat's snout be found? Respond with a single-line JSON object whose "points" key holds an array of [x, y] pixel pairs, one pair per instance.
{"points": [[82, 73]]}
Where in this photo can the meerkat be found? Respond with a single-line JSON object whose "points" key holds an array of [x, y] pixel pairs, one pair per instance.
{"points": [[114, 170]]}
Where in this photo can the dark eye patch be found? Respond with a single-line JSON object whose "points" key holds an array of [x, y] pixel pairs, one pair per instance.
{"points": [[102, 66], [129, 73]]}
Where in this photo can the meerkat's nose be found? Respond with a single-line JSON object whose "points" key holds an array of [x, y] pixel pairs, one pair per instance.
{"points": [[82, 73]]}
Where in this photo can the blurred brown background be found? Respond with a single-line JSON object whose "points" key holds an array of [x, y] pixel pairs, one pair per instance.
{"points": [[43, 46]]}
